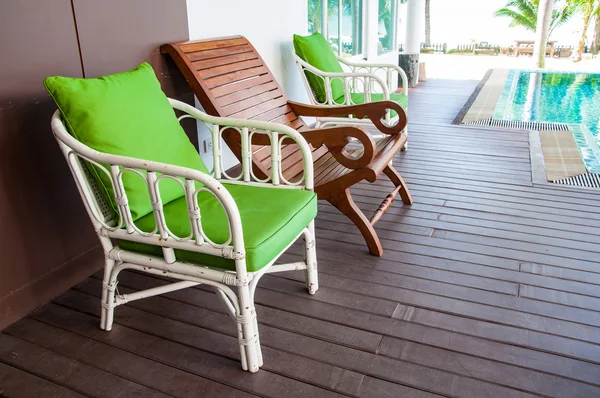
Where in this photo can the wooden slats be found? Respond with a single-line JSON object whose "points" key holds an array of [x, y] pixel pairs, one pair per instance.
{"points": [[60, 368], [234, 97], [15, 382], [251, 102], [218, 53], [328, 170], [235, 76], [228, 69], [240, 85], [212, 44], [263, 107], [273, 113], [224, 60], [287, 119]]}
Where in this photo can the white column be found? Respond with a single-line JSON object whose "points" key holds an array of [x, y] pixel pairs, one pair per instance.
{"points": [[370, 30], [415, 26], [544, 18]]}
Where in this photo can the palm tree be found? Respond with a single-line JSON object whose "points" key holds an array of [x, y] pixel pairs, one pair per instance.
{"points": [[589, 9], [596, 38], [524, 13]]}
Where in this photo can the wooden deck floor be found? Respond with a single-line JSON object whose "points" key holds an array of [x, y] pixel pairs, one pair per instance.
{"points": [[489, 287]]}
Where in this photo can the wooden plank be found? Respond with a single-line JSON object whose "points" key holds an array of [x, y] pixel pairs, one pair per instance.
{"points": [[235, 76], [241, 85], [246, 93], [229, 68], [212, 44], [508, 253], [433, 328], [505, 309], [182, 351], [482, 368], [362, 340], [287, 118], [353, 360], [119, 362], [525, 274], [251, 102], [533, 381], [224, 60], [564, 298], [263, 107], [503, 231], [563, 273], [18, 383], [68, 372], [448, 254], [549, 200], [218, 53], [439, 275]]}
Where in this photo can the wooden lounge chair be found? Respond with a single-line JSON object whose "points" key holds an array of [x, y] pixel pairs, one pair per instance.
{"points": [[230, 79]]}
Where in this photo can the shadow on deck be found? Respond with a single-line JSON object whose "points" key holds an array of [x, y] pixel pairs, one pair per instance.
{"points": [[489, 287]]}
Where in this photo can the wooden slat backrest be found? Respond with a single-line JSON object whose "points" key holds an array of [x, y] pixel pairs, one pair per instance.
{"points": [[231, 79]]}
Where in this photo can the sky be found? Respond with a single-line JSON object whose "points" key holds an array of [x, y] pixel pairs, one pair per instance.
{"points": [[462, 21]]}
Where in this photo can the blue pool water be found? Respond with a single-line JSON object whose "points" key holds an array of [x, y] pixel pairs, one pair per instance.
{"points": [[560, 97]]}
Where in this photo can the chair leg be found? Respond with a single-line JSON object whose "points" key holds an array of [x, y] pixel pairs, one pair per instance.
{"points": [[405, 146], [246, 320], [398, 181], [108, 296], [344, 203], [258, 349], [312, 279]]}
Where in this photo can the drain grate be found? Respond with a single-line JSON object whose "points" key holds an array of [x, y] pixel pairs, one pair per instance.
{"points": [[520, 125], [590, 180]]}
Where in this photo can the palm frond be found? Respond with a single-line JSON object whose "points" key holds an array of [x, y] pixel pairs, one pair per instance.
{"points": [[517, 18], [561, 15], [527, 8]]}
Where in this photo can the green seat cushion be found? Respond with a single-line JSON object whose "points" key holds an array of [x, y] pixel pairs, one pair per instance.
{"points": [[271, 219], [359, 98], [315, 50], [126, 114]]}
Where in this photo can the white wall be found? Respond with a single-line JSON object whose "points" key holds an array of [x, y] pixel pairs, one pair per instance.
{"points": [[268, 24]]}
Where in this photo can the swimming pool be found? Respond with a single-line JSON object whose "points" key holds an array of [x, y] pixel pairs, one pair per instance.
{"points": [[558, 97]]}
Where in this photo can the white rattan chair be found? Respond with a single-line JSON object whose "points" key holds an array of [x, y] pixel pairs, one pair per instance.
{"points": [[359, 77], [111, 227]]}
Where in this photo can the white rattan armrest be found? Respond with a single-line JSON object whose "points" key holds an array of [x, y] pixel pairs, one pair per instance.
{"points": [[378, 66], [288, 132]]}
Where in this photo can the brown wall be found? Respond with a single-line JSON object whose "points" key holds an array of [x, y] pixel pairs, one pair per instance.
{"points": [[46, 240]]}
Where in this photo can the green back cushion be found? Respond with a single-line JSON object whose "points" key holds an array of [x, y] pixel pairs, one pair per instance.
{"points": [[315, 50], [126, 114]]}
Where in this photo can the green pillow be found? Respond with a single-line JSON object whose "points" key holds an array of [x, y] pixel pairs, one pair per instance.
{"points": [[315, 51], [126, 114]]}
